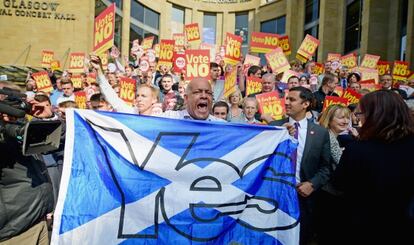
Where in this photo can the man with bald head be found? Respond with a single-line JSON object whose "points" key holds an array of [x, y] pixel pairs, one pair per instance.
{"points": [[199, 101]]}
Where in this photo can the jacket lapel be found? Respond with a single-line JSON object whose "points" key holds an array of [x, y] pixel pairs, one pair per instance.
{"points": [[309, 141]]}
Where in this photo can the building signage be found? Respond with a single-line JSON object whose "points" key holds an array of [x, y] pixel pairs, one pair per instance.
{"points": [[34, 9]]}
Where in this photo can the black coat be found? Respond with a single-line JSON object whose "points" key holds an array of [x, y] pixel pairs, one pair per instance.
{"points": [[378, 184]]}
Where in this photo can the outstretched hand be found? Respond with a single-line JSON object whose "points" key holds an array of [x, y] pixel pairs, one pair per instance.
{"points": [[95, 62]]}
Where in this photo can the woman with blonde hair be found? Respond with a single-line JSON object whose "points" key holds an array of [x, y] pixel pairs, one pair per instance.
{"points": [[235, 113], [336, 118]]}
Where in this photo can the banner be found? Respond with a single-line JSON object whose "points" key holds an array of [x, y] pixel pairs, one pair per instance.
{"points": [[284, 44], [77, 81], [261, 42], [230, 83], [307, 48], [270, 103], [370, 61], [127, 90], [233, 49], [349, 60], [352, 96], [334, 100], [147, 43], [43, 82], [192, 32], [400, 70], [104, 30], [333, 56], [277, 61], [166, 52], [77, 62], [179, 41], [253, 85], [197, 64], [237, 188], [383, 67], [47, 58], [80, 99], [179, 62]]}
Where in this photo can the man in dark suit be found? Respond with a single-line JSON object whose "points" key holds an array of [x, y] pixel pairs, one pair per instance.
{"points": [[312, 156]]}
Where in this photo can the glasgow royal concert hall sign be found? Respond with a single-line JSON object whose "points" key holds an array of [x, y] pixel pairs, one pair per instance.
{"points": [[34, 9]]}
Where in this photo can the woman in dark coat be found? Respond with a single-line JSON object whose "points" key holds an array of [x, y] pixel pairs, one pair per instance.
{"points": [[376, 173]]}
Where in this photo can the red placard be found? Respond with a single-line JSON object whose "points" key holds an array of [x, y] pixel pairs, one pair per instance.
{"points": [[277, 60], [334, 100], [253, 85], [230, 83], [55, 65], [104, 30], [166, 52], [339, 90], [400, 70], [147, 42], [233, 49], [262, 42], [192, 32], [76, 81], [179, 39], [179, 62], [270, 103], [197, 64], [307, 48], [333, 56], [284, 44], [383, 67], [91, 78], [318, 68], [144, 64], [43, 82], [47, 58], [77, 62], [352, 96], [370, 61], [370, 85], [250, 60], [127, 90], [80, 99], [349, 60]]}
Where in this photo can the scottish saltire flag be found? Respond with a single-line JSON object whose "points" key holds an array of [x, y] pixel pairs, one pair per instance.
{"points": [[132, 179]]}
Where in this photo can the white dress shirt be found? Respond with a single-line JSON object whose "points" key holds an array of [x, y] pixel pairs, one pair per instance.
{"points": [[303, 130]]}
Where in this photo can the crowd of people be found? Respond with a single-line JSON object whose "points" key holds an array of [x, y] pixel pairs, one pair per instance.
{"points": [[353, 163]]}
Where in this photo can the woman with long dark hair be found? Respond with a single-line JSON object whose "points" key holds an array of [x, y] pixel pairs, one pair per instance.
{"points": [[376, 173]]}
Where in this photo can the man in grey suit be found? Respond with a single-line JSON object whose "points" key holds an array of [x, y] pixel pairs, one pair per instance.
{"points": [[312, 156]]}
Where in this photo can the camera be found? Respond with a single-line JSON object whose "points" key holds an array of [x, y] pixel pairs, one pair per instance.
{"points": [[35, 136]]}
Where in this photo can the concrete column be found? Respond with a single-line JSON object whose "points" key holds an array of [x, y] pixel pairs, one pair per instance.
{"points": [[220, 30], [188, 16], [165, 18], [229, 25], [126, 20], [331, 34], [295, 14]]}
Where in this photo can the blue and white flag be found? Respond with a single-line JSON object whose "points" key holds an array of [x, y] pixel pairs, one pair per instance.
{"points": [[132, 179]]}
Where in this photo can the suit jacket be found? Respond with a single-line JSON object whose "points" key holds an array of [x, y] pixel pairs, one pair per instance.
{"points": [[315, 165]]}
